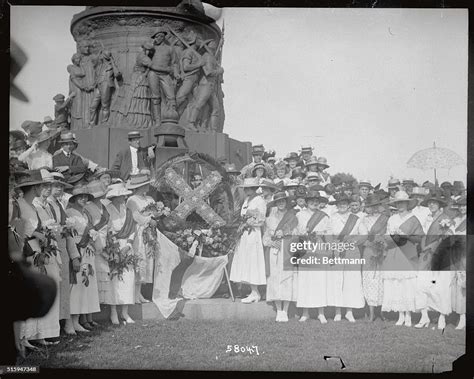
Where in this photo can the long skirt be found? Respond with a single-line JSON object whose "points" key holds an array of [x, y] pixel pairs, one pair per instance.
{"points": [[311, 289], [281, 284], [103, 279], [439, 292], [85, 293], [122, 289], [458, 292], [48, 325], [144, 273], [64, 286], [372, 285], [248, 265]]}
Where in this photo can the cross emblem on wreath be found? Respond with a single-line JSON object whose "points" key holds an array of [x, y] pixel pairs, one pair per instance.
{"points": [[195, 199]]}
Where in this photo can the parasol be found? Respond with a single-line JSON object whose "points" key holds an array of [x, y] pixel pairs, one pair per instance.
{"points": [[434, 158]]}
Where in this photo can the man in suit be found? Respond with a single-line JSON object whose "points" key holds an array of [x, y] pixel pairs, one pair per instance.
{"points": [[68, 162], [131, 160]]}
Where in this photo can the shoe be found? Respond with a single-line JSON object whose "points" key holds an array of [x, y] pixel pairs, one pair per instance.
{"points": [[251, 299], [441, 323], [284, 317], [408, 323], [94, 324], [303, 318], [423, 324], [70, 332], [278, 316], [322, 319], [350, 317], [129, 320], [87, 326], [400, 321], [461, 323], [79, 328], [337, 317]]}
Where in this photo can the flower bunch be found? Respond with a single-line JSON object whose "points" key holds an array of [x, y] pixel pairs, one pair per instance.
{"points": [[119, 259], [156, 210], [247, 221], [48, 247], [446, 225], [68, 229], [86, 271], [380, 247]]}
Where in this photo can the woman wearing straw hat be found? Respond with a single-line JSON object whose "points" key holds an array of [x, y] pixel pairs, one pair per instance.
{"points": [[344, 284], [84, 290], [281, 283], [248, 265], [458, 261], [259, 171], [99, 218], [433, 285], [37, 155], [311, 292], [399, 275], [140, 185], [67, 247], [374, 225], [122, 227]]}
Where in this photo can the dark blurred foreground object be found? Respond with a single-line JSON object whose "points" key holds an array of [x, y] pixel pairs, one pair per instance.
{"points": [[17, 60]]}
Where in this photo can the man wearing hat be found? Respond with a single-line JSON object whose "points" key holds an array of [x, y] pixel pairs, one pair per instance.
{"points": [[408, 185], [300, 197], [293, 160], [306, 154], [311, 165], [322, 165], [190, 64], [68, 162], [62, 110], [393, 187], [37, 155], [257, 156], [364, 189], [312, 178], [458, 190], [130, 160], [164, 67]]}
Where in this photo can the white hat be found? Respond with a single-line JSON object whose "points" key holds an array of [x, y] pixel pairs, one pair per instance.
{"points": [[118, 189]]}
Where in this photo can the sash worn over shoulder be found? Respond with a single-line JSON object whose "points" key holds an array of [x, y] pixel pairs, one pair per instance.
{"points": [[461, 227], [434, 232], [411, 227], [350, 223], [128, 226], [288, 222], [380, 226], [314, 220]]}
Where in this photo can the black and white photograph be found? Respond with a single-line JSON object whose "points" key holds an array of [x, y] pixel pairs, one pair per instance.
{"points": [[205, 188]]}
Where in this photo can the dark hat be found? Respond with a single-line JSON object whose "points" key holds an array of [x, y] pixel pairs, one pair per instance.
{"points": [[18, 144], [29, 178], [297, 172], [32, 129], [312, 176], [301, 192], [446, 185], [45, 135], [66, 137], [313, 194], [78, 190], [458, 185], [268, 183], [347, 185], [316, 187], [435, 197], [461, 201], [59, 97], [313, 161], [258, 150], [323, 162], [292, 156], [17, 134], [281, 195], [134, 135], [112, 173], [257, 166], [73, 179], [374, 199], [160, 29], [409, 182]]}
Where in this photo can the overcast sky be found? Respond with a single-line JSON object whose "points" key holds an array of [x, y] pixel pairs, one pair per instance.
{"points": [[367, 88]]}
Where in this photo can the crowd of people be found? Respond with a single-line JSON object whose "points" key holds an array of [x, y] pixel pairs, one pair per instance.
{"points": [[70, 216]]}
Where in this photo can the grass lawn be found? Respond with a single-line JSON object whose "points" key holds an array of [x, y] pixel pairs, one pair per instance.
{"points": [[201, 345]]}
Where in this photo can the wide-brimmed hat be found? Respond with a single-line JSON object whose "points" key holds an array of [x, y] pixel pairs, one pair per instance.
{"points": [[258, 150], [446, 185], [30, 178], [134, 135], [78, 190], [393, 183], [460, 202], [292, 183], [97, 188], [59, 97], [271, 159], [339, 198], [281, 195], [100, 173], [374, 199], [292, 156], [365, 183], [138, 180], [117, 189], [306, 149], [313, 194], [435, 197], [297, 172], [458, 185], [47, 120], [403, 196], [32, 129], [257, 166], [268, 183], [312, 161], [347, 185], [73, 179], [58, 178], [158, 30], [420, 191], [322, 161], [428, 184], [316, 187], [45, 135], [409, 182], [250, 183], [312, 176], [301, 192], [18, 144], [67, 137], [231, 169]]}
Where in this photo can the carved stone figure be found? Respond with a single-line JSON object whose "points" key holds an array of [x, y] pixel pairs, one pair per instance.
{"points": [[161, 76], [106, 73], [87, 64], [135, 108], [82, 93], [206, 91], [62, 110]]}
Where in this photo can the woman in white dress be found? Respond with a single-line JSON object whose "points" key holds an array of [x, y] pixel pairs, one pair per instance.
{"points": [[37, 156], [399, 267], [344, 284], [281, 283], [434, 284], [458, 262], [374, 225], [122, 227], [84, 290], [311, 291], [248, 265]]}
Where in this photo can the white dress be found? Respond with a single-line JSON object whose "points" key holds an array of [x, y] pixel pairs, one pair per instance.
{"points": [[84, 293], [36, 159], [399, 287], [281, 284], [122, 290], [248, 265], [458, 283], [311, 283], [344, 287]]}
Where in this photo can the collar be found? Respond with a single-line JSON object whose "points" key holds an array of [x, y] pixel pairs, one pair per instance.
{"points": [[133, 148], [65, 153]]}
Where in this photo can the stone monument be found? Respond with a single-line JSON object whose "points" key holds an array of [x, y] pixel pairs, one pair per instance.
{"points": [[142, 68]]}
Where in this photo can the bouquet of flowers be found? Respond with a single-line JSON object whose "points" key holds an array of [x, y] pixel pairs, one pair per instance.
{"points": [[157, 211], [119, 260], [246, 223], [48, 246], [68, 229], [380, 246], [445, 226], [86, 271]]}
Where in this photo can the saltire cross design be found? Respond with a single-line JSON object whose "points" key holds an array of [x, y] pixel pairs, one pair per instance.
{"points": [[195, 199]]}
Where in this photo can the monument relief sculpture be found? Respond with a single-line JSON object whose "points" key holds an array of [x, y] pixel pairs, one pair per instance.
{"points": [[78, 86]]}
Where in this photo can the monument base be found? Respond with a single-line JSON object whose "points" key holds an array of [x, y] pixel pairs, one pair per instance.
{"points": [[101, 144]]}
